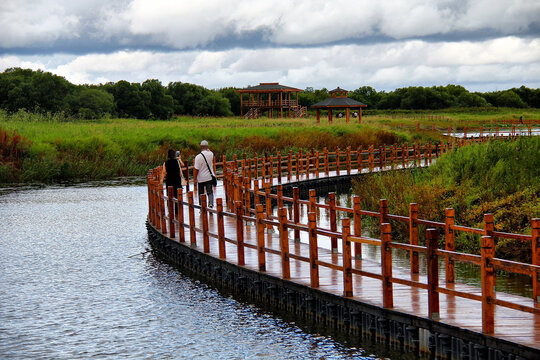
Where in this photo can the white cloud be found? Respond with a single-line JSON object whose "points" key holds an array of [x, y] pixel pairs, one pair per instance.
{"points": [[25, 23], [385, 67]]}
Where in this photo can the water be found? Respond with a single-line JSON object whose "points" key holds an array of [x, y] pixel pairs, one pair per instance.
{"points": [[71, 288]]}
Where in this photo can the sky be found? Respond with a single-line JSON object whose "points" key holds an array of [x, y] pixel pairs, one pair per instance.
{"points": [[484, 45]]}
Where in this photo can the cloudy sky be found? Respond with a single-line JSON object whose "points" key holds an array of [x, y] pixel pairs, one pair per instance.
{"points": [[484, 45]]}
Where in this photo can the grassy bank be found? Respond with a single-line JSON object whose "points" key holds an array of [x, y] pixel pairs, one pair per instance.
{"points": [[53, 148], [56, 148], [501, 177]]}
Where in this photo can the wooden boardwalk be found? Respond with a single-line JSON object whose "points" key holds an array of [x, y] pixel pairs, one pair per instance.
{"points": [[321, 245], [512, 325]]}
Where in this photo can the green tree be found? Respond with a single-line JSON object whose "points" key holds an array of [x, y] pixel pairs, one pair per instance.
{"points": [[161, 104], [186, 96], [233, 96], [130, 99], [90, 103], [470, 100], [366, 95], [33, 90], [213, 104]]}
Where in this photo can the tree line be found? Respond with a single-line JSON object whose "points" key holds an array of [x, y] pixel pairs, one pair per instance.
{"points": [[41, 91]]}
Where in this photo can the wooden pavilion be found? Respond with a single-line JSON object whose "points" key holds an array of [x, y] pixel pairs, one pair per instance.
{"points": [[273, 98], [338, 100]]}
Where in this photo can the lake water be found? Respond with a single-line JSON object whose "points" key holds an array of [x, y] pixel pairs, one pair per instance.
{"points": [[73, 284]]}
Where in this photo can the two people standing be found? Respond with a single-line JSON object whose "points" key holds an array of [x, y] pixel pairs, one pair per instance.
{"points": [[203, 173]]}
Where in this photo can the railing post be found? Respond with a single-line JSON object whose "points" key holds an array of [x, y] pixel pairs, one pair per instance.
{"points": [[162, 209], [333, 221], [338, 165], [268, 201], [383, 205], [357, 220], [256, 166], [296, 212], [488, 283], [271, 169], [280, 196], [289, 166], [236, 196], [535, 226], [221, 229], [406, 147], [204, 218], [317, 156], [181, 234], [347, 261], [386, 265], [170, 206], [370, 158], [240, 233], [191, 209], [348, 160], [413, 236], [359, 161], [449, 243], [247, 197], [279, 167], [326, 166], [432, 274], [284, 243], [297, 163], [312, 201], [313, 250], [256, 199], [260, 238], [489, 227]]}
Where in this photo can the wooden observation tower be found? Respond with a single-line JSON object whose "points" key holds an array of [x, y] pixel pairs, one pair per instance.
{"points": [[273, 98]]}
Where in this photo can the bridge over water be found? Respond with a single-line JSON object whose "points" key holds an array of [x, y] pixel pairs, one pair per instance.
{"points": [[305, 257]]}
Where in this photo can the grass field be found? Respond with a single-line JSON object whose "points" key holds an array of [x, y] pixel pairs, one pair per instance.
{"points": [[55, 148]]}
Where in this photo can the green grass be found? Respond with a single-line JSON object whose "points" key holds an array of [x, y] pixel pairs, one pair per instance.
{"points": [[499, 177], [66, 149], [63, 150]]}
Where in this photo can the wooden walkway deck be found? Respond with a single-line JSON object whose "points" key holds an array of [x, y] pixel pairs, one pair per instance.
{"points": [[513, 325]]}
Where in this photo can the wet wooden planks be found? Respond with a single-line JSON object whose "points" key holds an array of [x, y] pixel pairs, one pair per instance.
{"points": [[513, 325]]}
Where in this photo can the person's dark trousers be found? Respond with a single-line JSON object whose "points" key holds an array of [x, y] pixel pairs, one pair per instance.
{"points": [[206, 187]]}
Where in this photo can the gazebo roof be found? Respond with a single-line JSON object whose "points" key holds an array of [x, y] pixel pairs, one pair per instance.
{"points": [[269, 87], [338, 89], [338, 102]]}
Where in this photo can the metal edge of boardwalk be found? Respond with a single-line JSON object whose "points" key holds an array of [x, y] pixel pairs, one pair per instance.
{"points": [[399, 330]]}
